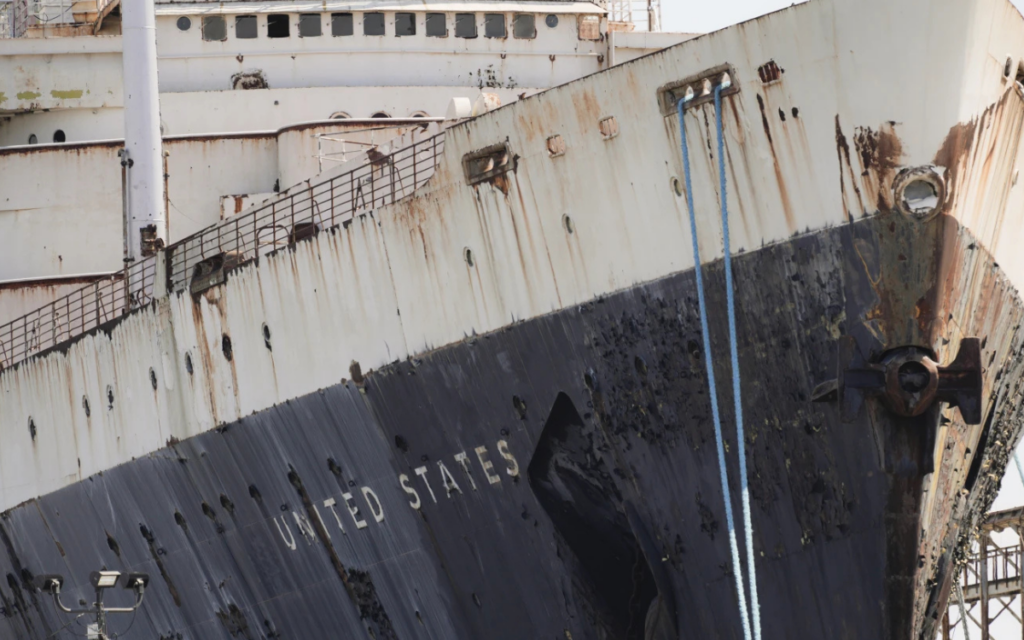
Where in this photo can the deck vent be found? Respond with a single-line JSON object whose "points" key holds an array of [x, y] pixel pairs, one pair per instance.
{"points": [[556, 146], [770, 72], [609, 127], [213, 271], [702, 86], [488, 163]]}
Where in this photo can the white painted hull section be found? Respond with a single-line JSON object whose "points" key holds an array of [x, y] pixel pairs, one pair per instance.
{"points": [[396, 284]]}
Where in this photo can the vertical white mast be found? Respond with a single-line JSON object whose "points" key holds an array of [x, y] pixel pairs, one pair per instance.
{"points": [[147, 220]]}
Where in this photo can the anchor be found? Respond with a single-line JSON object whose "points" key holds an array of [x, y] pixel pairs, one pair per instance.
{"points": [[907, 380]]}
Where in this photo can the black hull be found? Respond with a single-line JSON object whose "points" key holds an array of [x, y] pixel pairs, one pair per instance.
{"points": [[601, 497]]}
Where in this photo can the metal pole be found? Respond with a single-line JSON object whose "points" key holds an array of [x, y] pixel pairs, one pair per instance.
{"points": [[142, 124], [963, 609], [101, 620], [984, 588], [1020, 572]]}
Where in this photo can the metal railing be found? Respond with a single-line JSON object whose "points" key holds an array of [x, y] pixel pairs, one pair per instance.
{"points": [[644, 15], [14, 18], [382, 179], [77, 313], [997, 569]]}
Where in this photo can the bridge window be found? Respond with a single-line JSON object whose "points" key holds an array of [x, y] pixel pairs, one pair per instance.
{"points": [[373, 24], [524, 26], [494, 25], [465, 25], [214, 28], [341, 24], [405, 24], [277, 25], [245, 27], [437, 25], [309, 25], [590, 28]]}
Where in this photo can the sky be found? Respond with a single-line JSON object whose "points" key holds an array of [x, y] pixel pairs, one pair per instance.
{"points": [[702, 16]]}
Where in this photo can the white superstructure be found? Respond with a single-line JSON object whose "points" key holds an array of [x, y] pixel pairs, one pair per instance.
{"points": [[254, 97]]}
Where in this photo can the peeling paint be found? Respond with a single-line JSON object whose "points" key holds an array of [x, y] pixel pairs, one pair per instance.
{"points": [[70, 94]]}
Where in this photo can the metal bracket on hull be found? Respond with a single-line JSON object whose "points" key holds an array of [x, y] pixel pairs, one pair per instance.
{"points": [[907, 380], [700, 88]]}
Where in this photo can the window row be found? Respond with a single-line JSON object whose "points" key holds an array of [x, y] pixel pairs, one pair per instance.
{"points": [[310, 25]]}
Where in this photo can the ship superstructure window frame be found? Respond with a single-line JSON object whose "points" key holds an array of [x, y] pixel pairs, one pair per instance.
{"points": [[374, 23], [494, 26], [310, 25], [589, 27], [278, 25], [405, 24], [247, 26], [215, 28], [524, 26], [343, 24], [436, 25], [465, 25]]}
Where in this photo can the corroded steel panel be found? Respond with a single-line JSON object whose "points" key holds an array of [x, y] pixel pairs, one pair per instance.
{"points": [[447, 495]]}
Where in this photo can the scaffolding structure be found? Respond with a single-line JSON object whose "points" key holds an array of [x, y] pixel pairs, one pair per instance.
{"points": [[991, 584]]}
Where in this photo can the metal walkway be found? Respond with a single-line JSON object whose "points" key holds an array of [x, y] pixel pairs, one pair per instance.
{"points": [[991, 581]]}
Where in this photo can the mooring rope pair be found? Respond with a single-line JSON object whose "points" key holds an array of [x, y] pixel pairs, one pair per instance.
{"points": [[753, 618]]}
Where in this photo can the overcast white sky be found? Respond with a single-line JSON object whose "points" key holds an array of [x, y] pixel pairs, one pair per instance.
{"points": [[701, 16]]}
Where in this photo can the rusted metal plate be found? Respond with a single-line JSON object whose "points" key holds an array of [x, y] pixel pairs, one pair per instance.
{"points": [[439, 469]]}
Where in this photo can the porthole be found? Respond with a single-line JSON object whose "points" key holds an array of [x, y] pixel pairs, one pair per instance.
{"points": [[32, 427], [86, 407], [920, 192], [110, 397], [467, 254], [677, 186], [188, 363], [551, 21], [184, 23], [381, 114], [225, 347], [567, 223], [266, 336], [152, 378], [32, 139], [58, 136], [340, 115]]}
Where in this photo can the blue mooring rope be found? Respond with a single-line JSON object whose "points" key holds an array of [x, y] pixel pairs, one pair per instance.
{"points": [[734, 353]]}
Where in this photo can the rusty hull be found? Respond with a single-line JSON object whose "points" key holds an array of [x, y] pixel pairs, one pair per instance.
{"points": [[611, 395]]}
